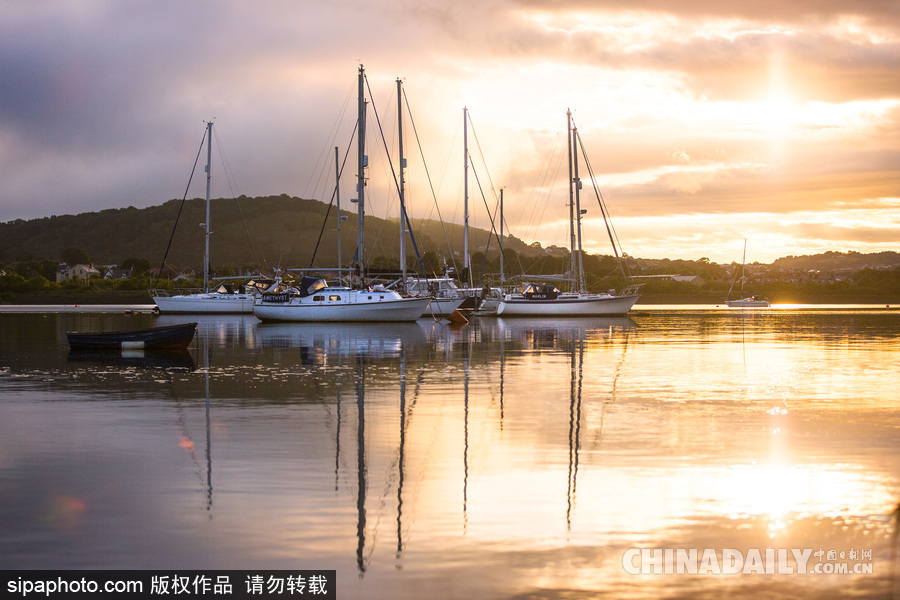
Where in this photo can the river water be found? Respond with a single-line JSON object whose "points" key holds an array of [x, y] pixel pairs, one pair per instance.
{"points": [[501, 459]]}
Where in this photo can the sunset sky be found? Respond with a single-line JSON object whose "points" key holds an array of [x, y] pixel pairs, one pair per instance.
{"points": [[705, 122]]}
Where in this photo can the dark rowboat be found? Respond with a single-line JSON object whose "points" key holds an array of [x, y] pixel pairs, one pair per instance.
{"points": [[158, 338]]}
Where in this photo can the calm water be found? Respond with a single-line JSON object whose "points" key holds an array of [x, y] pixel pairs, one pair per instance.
{"points": [[503, 459]]}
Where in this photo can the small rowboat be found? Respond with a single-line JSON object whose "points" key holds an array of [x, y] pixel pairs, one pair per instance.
{"points": [[159, 338]]}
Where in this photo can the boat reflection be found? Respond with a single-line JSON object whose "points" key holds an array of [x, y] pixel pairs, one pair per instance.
{"points": [[341, 340], [221, 329], [547, 334], [177, 359]]}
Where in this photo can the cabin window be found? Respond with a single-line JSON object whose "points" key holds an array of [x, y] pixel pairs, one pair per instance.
{"points": [[318, 298], [370, 297], [334, 298]]}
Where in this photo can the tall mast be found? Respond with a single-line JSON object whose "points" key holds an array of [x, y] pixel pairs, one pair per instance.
{"points": [[402, 182], [743, 262], [337, 195], [502, 270], [466, 262], [206, 225], [571, 195], [361, 178], [578, 211]]}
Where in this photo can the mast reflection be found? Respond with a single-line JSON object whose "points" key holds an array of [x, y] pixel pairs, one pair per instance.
{"points": [[577, 378], [361, 474]]}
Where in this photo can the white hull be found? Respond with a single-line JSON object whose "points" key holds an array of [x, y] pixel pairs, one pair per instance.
{"points": [[213, 302], [748, 303], [489, 306], [443, 307], [350, 306], [566, 306]]}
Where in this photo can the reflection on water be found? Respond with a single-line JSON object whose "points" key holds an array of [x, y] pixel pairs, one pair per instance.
{"points": [[502, 459]]}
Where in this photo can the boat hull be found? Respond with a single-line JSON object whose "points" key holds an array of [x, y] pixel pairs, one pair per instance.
{"points": [[302, 310], [443, 307], [748, 303], [206, 303], [158, 338], [582, 306]]}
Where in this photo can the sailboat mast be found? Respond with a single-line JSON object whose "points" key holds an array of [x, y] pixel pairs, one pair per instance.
{"points": [[571, 195], [361, 178], [466, 262], [206, 224], [578, 213], [337, 195], [402, 182], [502, 269], [743, 262]]}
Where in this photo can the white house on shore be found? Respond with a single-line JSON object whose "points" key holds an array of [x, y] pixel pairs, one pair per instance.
{"points": [[84, 272]]}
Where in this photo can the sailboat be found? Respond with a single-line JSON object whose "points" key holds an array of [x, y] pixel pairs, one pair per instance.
{"points": [[223, 299], [744, 301], [315, 300], [546, 300]]}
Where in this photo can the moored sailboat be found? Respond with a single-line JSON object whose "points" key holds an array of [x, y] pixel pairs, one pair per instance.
{"points": [[536, 300], [744, 301], [224, 298], [315, 300]]}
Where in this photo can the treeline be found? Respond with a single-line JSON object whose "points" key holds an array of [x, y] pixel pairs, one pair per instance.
{"points": [[264, 235]]}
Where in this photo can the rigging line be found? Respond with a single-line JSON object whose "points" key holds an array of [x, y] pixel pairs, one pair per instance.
{"points": [[481, 153], [428, 177], [492, 188], [396, 183], [555, 158], [322, 162], [320, 168], [180, 208], [328, 211], [491, 218], [613, 238], [388, 205], [330, 204], [232, 185]]}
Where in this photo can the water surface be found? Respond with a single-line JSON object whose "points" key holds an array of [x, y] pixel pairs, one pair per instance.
{"points": [[502, 459]]}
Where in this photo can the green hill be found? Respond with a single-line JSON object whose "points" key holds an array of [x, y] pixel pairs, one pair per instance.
{"points": [[262, 233]]}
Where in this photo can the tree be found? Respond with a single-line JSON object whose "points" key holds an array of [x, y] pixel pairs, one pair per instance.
{"points": [[74, 256], [139, 265]]}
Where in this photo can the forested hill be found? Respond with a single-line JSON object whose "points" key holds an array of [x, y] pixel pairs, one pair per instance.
{"points": [[276, 231], [839, 261]]}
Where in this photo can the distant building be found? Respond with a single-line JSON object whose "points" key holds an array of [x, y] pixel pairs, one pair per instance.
{"points": [[84, 272], [187, 275], [116, 273]]}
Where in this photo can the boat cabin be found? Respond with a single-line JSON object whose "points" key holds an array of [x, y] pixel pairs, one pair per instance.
{"points": [[534, 291], [439, 287]]}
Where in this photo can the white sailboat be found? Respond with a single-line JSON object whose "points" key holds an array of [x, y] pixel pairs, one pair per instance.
{"points": [[446, 296], [744, 301], [546, 300], [316, 301], [223, 299]]}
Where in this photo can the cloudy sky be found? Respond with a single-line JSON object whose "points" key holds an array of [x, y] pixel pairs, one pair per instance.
{"points": [[705, 123]]}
